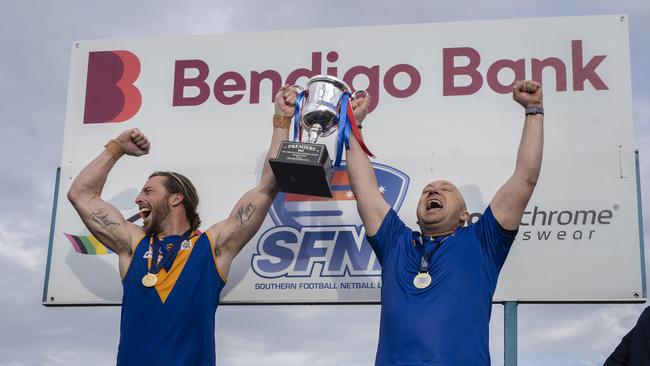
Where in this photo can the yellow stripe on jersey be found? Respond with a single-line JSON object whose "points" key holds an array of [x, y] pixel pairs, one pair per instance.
{"points": [[167, 280], [224, 278]]}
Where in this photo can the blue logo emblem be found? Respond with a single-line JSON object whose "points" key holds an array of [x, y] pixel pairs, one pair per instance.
{"points": [[324, 236]]}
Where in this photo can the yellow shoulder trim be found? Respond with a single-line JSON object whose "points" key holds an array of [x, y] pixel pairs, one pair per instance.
{"points": [[132, 254], [213, 249]]}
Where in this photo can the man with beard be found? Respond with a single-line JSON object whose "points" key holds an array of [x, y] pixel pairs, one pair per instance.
{"points": [[437, 284], [172, 275]]}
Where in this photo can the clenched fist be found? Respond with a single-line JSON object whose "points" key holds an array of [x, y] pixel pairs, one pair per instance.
{"points": [[360, 105], [285, 100], [133, 142], [528, 93]]}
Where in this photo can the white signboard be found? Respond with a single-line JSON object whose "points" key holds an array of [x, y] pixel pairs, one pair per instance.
{"points": [[441, 109]]}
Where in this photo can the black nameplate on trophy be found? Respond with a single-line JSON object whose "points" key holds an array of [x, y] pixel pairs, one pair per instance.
{"points": [[303, 168]]}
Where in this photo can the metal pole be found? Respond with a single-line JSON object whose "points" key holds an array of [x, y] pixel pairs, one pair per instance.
{"points": [[639, 209], [51, 240], [510, 333]]}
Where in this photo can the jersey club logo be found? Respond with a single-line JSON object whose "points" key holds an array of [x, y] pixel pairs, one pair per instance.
{"points": [[111, 95], [327, 231]]}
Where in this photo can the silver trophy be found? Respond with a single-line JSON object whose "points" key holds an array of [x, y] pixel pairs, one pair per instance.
{"points": [[305, 167]]}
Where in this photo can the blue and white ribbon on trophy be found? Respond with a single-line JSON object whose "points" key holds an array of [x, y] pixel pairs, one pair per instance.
{"points": [[297, 126], [343, 140]]}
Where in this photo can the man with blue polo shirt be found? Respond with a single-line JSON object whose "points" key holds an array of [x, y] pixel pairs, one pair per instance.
{"points": [[438, 283]]}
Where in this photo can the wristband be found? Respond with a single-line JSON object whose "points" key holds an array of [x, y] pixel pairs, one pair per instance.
{"points": [[534, 110], [115, 149], [281, 121]]}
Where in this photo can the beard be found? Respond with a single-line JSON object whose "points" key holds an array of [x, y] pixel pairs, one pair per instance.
{"points": [[159, 213]]}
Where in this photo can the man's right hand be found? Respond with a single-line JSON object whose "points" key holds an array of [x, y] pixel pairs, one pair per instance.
{"points": [[101, 218], [134, 142], [285, 101]]}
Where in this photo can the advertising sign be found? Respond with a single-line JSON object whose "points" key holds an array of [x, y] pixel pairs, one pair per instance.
{"points": [[441, 109]]}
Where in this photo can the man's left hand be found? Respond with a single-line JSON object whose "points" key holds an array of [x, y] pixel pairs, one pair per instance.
{"points": [[360, 107], [528, 93]]}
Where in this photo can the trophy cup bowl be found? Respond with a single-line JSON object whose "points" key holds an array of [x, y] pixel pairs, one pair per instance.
{"points": [[306, 167], [320, 109]]}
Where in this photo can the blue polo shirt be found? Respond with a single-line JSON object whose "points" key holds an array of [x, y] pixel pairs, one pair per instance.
{"points": [[446, 323]]}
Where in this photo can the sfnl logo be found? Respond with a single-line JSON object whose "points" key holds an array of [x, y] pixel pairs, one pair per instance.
{"points": [[324, 237], [111, 95]]}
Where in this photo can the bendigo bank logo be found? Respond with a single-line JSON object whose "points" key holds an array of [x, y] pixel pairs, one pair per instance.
{"points": [[110, 93], [325, 231]]}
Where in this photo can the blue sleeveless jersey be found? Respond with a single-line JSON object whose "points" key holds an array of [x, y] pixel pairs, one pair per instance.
{"points": [[173, 322]]}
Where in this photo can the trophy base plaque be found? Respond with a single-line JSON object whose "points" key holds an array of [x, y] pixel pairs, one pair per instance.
{"points": [[303, 168]]}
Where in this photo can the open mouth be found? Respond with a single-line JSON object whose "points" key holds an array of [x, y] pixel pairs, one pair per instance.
{"points": [[145, 212], [434, 204]]}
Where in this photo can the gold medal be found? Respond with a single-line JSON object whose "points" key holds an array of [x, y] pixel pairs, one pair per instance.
{"points": [[422, 280], [150, 280]]}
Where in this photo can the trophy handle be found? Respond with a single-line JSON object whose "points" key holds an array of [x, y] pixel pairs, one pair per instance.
{"points": [[354, 95]]}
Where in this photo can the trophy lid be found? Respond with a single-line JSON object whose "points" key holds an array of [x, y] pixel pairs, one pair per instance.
{"points": [[330, 79]]}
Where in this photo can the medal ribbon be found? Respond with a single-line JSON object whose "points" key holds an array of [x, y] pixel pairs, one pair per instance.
{"points": [[169, 247], [426, 256]]}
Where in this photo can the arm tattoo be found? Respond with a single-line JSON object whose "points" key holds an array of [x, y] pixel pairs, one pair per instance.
{"points": [[101, 217], [244, 214]]}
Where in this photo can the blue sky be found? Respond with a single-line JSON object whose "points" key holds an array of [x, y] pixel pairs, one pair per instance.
{"points": [[36, 37]]}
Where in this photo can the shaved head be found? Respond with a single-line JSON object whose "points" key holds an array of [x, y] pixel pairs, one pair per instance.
{"points": [[441, 208]]}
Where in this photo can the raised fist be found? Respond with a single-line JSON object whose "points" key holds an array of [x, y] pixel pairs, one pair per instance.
{"points": [[133, 142], [285, 100], [527, 93], [360, 105]]}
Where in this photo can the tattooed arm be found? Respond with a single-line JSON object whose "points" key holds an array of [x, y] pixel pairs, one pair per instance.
{"points": [[244, 214], [230, 235], [101, 218]]}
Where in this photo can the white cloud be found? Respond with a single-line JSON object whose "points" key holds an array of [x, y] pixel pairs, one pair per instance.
{"points": [[297, 335], [574, 334], [12, 363], [14, 247], [77, 356], [641, 111]]}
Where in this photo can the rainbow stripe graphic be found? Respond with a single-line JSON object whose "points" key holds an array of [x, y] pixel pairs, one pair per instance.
{"points": [[87, 245]]}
